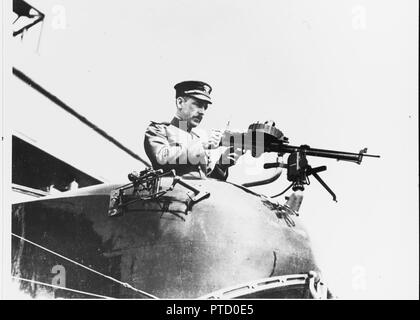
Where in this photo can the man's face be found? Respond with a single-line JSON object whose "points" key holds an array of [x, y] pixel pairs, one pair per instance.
{"points": [[191, 110]]}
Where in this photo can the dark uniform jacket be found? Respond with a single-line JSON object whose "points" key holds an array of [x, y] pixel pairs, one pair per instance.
{"points": [[169, 146]]}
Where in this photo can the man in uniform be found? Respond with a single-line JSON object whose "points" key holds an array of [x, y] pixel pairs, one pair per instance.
{"points": [[174, 145]]}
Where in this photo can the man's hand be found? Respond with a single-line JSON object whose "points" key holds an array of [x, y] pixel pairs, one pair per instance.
{"points": [[229, 157], [214, 140]]}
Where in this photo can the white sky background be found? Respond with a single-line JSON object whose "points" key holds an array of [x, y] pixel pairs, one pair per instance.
{"points": [[332, 74]]}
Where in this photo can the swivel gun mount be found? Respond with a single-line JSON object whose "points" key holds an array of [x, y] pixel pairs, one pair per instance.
{"points": [[146, 185], [265, 137]]}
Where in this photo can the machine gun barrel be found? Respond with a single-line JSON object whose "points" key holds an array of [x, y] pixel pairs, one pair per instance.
{"points": [[266, 138], [323, 153]]}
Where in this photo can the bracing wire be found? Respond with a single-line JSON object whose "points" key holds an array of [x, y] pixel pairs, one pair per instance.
{"points": [[61, 288], [124, 284]]}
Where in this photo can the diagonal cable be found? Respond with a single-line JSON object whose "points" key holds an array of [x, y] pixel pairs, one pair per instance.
{"points": [[125, 284], [61, 288], [64, 106]]}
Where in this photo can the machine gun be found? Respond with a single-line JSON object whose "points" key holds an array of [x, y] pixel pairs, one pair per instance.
{"points": [[265, 137]]}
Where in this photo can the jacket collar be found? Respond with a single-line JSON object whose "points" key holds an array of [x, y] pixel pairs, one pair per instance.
{"points": [[177, 122]]}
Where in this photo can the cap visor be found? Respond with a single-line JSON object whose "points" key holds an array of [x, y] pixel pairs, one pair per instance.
{"points": [[201, 97]]}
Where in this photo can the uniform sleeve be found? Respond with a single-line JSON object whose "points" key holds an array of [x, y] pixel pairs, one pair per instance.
{"points": [[161, 152], [216, 170]]}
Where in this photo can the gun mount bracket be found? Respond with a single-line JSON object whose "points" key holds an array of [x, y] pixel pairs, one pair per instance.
{"points": [[145, 186]]}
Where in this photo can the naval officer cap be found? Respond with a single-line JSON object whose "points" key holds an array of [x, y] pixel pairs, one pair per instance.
{"points": [[196, 89]]}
